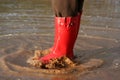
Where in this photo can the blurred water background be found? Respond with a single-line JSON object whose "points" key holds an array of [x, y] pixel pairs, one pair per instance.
{"points": [[27, 25], [36, 16]]}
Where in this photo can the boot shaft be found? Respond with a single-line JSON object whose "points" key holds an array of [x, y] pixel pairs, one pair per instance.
{"points": [[67, 31]]}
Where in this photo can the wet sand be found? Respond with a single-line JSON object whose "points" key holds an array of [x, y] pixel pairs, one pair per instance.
{"points": [[20, 48]]}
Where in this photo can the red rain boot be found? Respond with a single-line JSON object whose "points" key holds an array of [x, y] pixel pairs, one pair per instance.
{"points": [[66, 33], [56, 34]]}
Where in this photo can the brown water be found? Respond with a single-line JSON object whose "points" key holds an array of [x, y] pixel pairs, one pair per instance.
{"points": [[27, 25]]}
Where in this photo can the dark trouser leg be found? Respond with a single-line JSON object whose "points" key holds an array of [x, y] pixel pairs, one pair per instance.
{"points": [[65, 8]]}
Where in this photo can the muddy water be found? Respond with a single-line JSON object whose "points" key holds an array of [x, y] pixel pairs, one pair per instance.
{"points": [[19, 16], [27, 25]]}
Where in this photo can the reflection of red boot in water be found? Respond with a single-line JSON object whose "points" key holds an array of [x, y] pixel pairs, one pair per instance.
{"points": [[66, 33]]}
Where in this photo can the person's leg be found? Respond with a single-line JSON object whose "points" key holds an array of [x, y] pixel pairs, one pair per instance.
{"points": [[67, 20], [67, 8]]}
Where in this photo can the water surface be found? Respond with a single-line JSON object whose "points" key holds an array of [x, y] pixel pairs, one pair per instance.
{"points": [[27, 25]]}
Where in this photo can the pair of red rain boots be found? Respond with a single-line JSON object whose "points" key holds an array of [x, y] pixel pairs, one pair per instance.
{"points": [[66, 31]]}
